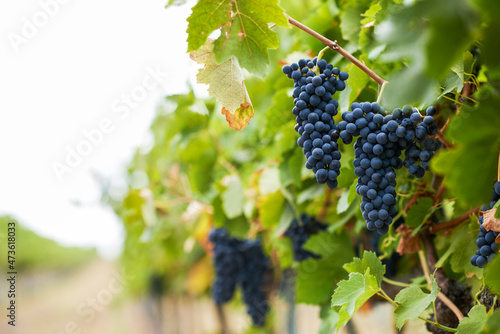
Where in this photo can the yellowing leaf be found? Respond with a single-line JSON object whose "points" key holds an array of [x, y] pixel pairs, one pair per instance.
{"points": [[490, 222], [199, 277], [240, 118], [226, 83]]}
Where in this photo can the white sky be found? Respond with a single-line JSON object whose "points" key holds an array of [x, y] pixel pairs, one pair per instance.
{"points": [[64, 80]]}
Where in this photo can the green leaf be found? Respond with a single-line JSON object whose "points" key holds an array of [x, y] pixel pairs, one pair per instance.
{"points": [[457, 77], [247, 35], [283, 247], [295, 164], [269, 181], [286, 218], [451, 25], [474, 322], [350, 23], [329, 322], [412, 301], [357, 79], [369, 261], [278, 113], [491, 275], [207, 16], [415, 216], [463, 244], [475, 133], [310, 193], [232, 197], [348, 291], [270, 208], [369, 15], [316, 277], [226, 83], [493, 323], [343, 204], [353, 293], [490, 47]]}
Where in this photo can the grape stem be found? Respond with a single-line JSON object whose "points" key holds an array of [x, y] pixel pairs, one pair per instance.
{"points": [[382, 87], [334, 46], [401, 284], [478, 294], [454, 222], [441, 296], [222, 319], [320, 55]]}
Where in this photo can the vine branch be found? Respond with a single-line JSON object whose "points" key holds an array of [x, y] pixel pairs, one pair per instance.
{"points": [[454, 222], [334, 46]]}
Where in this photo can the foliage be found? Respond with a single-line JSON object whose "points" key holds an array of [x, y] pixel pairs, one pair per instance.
{"points": [[35, 253], [200, 173]]}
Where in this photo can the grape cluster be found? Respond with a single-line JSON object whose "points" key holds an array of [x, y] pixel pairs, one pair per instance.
{"points": [[299, 233], [228, 263], [487, 247], [241, 262], [314, 110], [382, 139], [252, 280]]}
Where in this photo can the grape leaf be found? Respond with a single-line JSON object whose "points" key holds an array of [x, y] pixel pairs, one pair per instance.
{"points": [[493, 323], [474, 322], [247, 36], [491, 274], [412, 301], [475, 133], [369, 261], [316, 277], [226, 83], [459, 252], [232, 197], [240, 118], [490, 47], [269, 181], [451, 26], [270, 207], [353, 293], [415, 216], [329, 322], [357, 78], [206, 17]]}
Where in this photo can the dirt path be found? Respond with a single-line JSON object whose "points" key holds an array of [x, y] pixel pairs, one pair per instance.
{"points": [[92, 300]]}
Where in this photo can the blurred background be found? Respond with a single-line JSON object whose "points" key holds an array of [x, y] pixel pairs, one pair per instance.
{"points": [[115, 165]]}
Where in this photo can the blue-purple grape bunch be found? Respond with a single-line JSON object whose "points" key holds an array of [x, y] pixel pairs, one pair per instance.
{"points": [[300, 233], [240, 262], [314, 110], [252, 279], [382, 139], [487, 247]]}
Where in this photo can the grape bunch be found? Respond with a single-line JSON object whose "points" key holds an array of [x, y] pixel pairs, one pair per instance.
{"points": [[314, 110], [240, 262], [487, 247], [299, 233], [252, 281], [228, 263], [382, 139]]}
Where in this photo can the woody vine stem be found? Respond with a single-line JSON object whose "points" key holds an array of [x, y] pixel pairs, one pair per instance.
{"points": [[334, 46]]}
